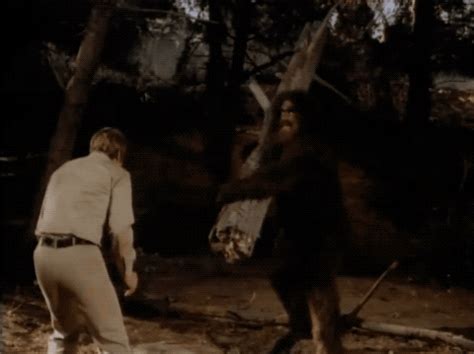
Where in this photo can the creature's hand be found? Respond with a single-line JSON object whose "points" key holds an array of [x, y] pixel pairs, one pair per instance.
{"points": [[223, 194], [131, 281]]}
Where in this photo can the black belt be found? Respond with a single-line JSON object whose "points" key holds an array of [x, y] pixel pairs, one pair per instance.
{"points": [[60, 241]]}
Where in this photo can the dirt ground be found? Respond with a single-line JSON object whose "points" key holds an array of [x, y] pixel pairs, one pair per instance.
{"points": [[201, 305]]}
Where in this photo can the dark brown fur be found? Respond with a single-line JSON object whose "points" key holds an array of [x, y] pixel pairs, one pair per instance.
{"points": [[311, 214]]}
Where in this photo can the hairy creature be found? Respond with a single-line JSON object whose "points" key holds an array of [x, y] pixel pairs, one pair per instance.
{"points": [[310, 213]]}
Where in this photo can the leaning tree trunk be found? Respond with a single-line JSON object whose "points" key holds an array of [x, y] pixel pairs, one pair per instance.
{"points": [[75, 97], [238, 225]]}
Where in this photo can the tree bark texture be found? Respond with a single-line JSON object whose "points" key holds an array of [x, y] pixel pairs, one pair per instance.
{"points": [[242, 19], [419, 95], [217, 145]]}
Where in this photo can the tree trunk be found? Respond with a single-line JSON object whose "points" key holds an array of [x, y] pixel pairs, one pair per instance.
{"points": [[223, 83], [75, 98], [216, 150], [419, 96], [242, 20]]}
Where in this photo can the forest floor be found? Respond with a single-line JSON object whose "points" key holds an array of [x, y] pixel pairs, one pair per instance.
{"points": [[200, 305]]}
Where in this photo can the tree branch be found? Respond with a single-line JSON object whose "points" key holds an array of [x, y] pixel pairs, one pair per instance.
{"points": [[332, 88], [268, 64], [259, 94], [128, 8]]}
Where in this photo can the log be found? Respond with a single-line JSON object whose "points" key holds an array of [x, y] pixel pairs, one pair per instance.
{"points": [[238, 224], [423, 333], [351, 320]]}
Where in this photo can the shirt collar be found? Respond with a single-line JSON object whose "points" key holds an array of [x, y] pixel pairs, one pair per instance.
{"points": [[100, 156]]}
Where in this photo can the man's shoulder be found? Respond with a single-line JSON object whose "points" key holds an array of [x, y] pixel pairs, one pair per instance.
{"points": [[83, 163], [101, 159], [94, 162], [116, 171], [71, 164]]}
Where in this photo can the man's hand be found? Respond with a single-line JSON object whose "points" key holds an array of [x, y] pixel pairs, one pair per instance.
{"points": [[131, 281]]}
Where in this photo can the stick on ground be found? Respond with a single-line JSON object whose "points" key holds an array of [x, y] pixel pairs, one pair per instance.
{"points": [[353, 314]]}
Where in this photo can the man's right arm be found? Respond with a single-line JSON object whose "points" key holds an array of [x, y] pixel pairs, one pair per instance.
{"points": [[125, 256], [121, 219]]}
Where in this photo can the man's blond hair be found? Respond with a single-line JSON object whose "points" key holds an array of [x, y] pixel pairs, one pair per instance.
{"points": [[111, 142]]}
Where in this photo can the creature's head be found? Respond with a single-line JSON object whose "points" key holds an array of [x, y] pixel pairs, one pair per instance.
{"points": [[295, 115]]}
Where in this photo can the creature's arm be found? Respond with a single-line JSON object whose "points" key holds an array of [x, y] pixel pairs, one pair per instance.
{"points": [[272, 179]]}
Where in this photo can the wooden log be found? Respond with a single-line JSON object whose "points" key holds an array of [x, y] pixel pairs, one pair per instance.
{"points": [[405, 331], [238, 224], [351, 320]]}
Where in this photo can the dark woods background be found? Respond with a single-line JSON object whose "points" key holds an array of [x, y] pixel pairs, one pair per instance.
{"points": [[176, 85]]}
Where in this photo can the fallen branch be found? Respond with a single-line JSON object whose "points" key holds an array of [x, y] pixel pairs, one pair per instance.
{"points": [[351, 320], [424, 333]]}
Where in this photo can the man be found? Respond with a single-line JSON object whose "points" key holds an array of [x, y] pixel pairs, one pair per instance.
{"points": [[85, 196], [308, 198]]}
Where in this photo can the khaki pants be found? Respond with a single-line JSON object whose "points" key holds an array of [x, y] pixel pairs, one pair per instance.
{"points": [[80, 298]]}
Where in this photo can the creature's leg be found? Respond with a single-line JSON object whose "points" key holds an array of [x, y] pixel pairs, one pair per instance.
{"points": [[293, 299], [323, 303]]}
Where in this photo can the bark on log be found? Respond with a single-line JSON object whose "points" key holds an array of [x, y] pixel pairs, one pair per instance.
{"points": [[75, 99], [423, 333], [238, 224]]}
